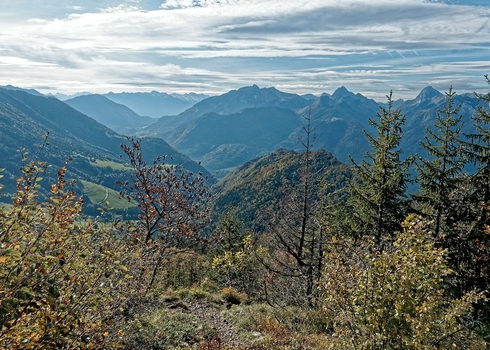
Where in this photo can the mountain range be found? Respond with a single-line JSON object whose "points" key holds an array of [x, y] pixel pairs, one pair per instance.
{"points": [[115, 116], [225, 131], [94, 148], [152, 104], [156, 104]]}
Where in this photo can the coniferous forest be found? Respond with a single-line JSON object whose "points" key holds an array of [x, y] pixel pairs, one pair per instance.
{"points": [[293, 250]]}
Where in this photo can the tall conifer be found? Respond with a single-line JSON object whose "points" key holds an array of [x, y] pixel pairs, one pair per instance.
{"points": [[444, 190], [439, 174], [478, 151], [377, 193]]}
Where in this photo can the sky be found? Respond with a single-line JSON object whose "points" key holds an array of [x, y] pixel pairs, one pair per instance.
{"points": [[213, 46]]}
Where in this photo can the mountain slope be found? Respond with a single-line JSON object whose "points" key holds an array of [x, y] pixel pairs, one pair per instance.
{"points": [[229, 103], [15, 88], [155, 104], [95, 149], [247, 97], [224, 141], [421, 113], [111, 114], [257, 187], [339, 120]]}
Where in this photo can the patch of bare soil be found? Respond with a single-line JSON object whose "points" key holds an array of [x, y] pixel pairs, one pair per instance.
{"points": [[226, 333]]}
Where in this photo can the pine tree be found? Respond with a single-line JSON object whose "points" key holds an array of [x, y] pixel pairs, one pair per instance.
{"points": [[377, 193], [479, 148]]}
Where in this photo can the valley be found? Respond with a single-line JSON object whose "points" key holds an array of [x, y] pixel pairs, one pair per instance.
{"points": [[247, 220]]}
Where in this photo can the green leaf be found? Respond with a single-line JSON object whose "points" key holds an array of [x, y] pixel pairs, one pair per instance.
{"points": [[53, 291]]}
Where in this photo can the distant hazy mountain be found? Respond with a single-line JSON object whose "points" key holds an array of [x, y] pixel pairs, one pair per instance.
{"points": [[309, 97], [229, 103], [257, 187], [421, 114], [64, 97], [191, 97], [95, 149], [226, 141], [156, 104], [339, 120], [15, 88], [111, 114], [225, 131], [247, 97]]}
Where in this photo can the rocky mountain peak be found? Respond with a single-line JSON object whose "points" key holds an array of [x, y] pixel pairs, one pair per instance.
{"points": [[341, 93], [427, 94]]}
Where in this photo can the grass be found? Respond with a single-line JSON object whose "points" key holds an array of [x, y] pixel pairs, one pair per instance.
{"points": [[166, 329], [97, 194], [279, 328], [5, 206], [110, 164]]}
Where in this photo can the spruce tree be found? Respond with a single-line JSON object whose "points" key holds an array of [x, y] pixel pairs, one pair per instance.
{"points": [[479, 147], [377, 193], [444, 196], [440, 174], [478, 152]]}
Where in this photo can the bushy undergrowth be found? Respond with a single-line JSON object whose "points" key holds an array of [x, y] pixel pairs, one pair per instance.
{"points": [[166, 329], [279, 328]]}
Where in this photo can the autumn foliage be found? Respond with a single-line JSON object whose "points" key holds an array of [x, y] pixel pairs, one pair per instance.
{"points": [[61, 278]]}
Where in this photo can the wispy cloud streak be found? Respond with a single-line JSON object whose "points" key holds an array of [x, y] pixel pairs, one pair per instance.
{"points": [[216, 45]]}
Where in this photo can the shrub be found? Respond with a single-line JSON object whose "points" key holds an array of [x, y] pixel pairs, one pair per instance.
{"points": [[394, 298], [61, 280]]}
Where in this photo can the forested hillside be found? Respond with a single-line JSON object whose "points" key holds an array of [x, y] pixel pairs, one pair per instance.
{"points": [[259, 187], [292, 250], [94, 149]]}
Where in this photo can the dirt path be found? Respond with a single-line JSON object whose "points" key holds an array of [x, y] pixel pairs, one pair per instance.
{"points": [[105, 198], [212, 316]]}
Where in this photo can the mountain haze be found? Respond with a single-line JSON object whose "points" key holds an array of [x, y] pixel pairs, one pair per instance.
{"points": [[247, 97], [231, 102], [94, 148], [156, 104], [111, 114], [15, 88], [339, 121], [226, 131], [226, 141], [223, 141]]}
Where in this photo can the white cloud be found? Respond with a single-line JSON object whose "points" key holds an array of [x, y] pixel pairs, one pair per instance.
{"points": [[179, 4], [22, 62], [190, 39]]}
